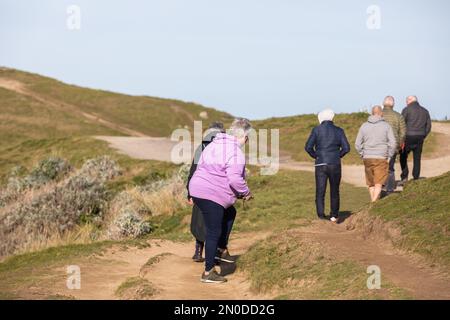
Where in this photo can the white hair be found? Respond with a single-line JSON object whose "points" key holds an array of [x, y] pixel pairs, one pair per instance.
{"points": [[326, 115], [240, 127]]}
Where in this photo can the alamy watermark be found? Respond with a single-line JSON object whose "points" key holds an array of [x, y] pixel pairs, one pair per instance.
{"points": [[258, 148], [73, 21], [374, 280], [73, 281], [373, 21]]}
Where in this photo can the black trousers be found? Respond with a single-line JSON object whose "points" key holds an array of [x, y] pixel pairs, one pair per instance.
{"points": [[219, 222], [414, 144], [390, 183], [331, 173]]}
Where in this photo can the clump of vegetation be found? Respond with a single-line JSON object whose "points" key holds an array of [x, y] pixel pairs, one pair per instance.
{"points": [[40, 215], [131, 209], [151, 262], [47, 170], [136, 288], [131, 225]]}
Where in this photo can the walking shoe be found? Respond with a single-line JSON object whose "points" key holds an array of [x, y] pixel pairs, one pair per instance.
{"points": [[333, 219], [323, 218], [224, 256], [198, 252], [212, 277], [197, 258]]}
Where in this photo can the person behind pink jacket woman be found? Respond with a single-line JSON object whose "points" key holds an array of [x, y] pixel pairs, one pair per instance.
{"points": [[215, 186]]}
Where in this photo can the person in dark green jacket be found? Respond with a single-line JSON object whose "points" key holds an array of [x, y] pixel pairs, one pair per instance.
{"points": [[397, 122]]}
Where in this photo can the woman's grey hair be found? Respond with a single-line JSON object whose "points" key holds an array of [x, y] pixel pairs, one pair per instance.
{"points": [[240, 127]]}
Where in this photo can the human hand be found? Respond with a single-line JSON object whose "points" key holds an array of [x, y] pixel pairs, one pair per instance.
{"points": [[248, 197], [190, 202], [402, 147]]}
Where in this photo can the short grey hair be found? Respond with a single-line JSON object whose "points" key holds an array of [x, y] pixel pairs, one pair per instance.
{"points": [[377, 110], [240, 127], [412, 99]]}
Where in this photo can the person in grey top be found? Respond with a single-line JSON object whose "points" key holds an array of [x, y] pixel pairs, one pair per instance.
{"points": [[376, 144]]}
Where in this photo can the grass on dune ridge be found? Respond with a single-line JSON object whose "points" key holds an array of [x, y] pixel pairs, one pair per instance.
{"points": [[149, 115], [421, 212]]}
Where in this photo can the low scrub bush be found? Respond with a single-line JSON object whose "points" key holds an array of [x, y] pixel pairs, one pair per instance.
{"points": [[47, 170], [57, 208], [131, 208]]}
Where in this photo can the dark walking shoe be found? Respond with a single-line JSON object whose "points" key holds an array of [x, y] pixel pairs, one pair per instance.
{"points": [[198, 252], [324, 218], [212, 277], [224, 256], [198, 258]]}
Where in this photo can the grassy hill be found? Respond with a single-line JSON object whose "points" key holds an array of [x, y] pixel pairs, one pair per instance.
{"points": [[295, 130], [39, 113], [40, 116]]}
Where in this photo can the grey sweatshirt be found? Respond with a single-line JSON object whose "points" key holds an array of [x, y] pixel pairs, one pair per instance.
{"points": [[376, 139]]}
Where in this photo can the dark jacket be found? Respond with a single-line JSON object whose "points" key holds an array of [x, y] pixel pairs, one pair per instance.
{"points": [[327, 144], [198, 152], [418, 120]]}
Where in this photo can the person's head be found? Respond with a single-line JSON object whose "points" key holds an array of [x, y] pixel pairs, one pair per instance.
{"points": [[389, 102], [240, 128], [326, 115], [216, 126], [410, 99], [377, 111]]}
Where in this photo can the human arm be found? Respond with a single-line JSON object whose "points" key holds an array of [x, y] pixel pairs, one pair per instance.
{"points": [[345, 146], [311, 144], [392, 143], [428, 125], [359, 143], [401, 131], [234, 169]]}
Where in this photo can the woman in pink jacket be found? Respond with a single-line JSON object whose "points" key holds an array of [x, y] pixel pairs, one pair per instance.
{"points": [[216, 185]]}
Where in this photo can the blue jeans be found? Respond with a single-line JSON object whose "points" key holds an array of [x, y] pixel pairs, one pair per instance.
{"points": [[218, 222], [324, 174]]}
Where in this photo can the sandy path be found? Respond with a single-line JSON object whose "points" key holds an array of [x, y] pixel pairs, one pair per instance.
{"points": [[175, 276], [400, 269]]}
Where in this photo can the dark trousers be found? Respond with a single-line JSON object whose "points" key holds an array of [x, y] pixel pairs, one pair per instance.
{"points": [[324, 174], [219, 222], [414, 144], [391, 183]]}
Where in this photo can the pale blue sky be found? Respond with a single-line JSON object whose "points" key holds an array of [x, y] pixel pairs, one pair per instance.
{"points": [[253, 58]]}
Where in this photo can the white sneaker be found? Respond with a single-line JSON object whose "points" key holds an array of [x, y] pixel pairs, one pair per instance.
{"points": [[333, 219]]}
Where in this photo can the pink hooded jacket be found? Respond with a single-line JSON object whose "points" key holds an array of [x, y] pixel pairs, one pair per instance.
{"points": [[220, 174]]}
